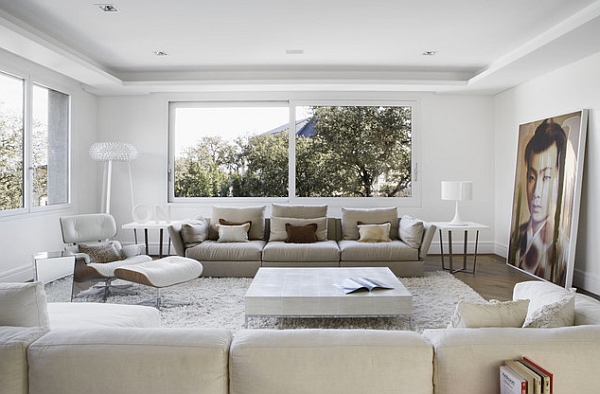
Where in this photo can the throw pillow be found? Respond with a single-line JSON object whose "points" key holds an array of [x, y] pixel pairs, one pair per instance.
{"points": [[299, 211], [194, 232], [23, 305], [101, 253], [278, 231], [351, 217], [557, 314], [493, 314], [256, 215], [233, 233], [411, 231], [301, 234], [374, 232]]}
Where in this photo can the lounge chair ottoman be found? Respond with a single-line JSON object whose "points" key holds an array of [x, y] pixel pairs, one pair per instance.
{"points": [[161, 273]]}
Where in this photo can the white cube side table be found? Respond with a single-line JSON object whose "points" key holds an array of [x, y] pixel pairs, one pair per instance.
{"points": [[446, 227]]}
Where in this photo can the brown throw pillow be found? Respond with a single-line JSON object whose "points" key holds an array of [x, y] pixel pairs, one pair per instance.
{"points": [[301, 234], [102, 253], [224, 222]]}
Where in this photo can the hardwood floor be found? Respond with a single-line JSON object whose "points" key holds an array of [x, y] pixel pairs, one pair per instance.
{"points": [[493, 279]]}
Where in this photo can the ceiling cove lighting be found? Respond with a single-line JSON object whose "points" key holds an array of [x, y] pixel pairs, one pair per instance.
{"points": [[429, 53], [294, 51], [160, 53], [108, 7]]}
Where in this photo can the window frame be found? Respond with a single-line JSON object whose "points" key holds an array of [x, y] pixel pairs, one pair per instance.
{"points": [[413, 201], [27, 177]]}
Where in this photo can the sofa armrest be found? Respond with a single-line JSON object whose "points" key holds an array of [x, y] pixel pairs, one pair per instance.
{"points": [[174, 231], [428, 233]]}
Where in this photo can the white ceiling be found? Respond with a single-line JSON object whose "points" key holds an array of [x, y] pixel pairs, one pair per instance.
{"points": [[483, 46]]}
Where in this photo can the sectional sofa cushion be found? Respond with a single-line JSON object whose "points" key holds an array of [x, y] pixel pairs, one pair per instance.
{"points": [[411, 231], [395, 250], [279, 251], [493, 314], [298, 211], [23, 305], [256, 215], [351, 217], [279, 233], [92, 314], [587, 310], [230, 251], [14, 369]]}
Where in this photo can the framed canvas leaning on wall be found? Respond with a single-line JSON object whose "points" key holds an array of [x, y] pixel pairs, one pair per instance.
{"points": [[546, 197]]}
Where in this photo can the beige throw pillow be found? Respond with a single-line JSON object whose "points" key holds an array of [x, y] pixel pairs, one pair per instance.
{"points": [[411, 231], [194, 232], [233, 233], [493, 314], [279, 233], [23, 305], [557, 314], [374, 232]]}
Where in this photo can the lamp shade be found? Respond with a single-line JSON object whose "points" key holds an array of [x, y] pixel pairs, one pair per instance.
{"points": [[457, 190], [113, 151]]}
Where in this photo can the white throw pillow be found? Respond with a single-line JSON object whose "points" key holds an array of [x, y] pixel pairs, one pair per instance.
{"points": [[256, 215], [411, 231], [374, 232], [278, 232], [23, 305], [493, 314], [557, 314], [194, 232], [235, 233]]}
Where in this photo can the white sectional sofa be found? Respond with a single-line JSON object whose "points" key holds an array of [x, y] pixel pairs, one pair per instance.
{"points": [[96, 360], [338, 242]]}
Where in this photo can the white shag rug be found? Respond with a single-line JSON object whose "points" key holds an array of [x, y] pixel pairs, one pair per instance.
{"points": [[219, 303]]}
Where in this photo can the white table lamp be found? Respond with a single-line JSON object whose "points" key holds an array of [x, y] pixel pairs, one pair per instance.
{"points": [[457, 191], [109, 152]]}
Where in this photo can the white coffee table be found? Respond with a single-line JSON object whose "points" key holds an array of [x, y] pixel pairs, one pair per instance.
{"points": [[310, 292]]}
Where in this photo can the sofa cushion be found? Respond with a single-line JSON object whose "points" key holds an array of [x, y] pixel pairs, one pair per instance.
{"points": [[587, 310], [374, 232], [194, 232], [256, 215], [560, 313], [299, 211], [279, 233], [395, 250], [23, 305], [351, 217], [14, 342], [104, 252], [279, 251], [233, 251], [233, 232], [411, 231], [493, 314], [92, 314], [330, 362]]}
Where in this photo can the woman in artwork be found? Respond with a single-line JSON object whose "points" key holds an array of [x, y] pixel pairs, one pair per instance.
{"points": [[539, 247]]}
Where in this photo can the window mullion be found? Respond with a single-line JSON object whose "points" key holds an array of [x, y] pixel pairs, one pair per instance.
{"points": [[27, 143]]}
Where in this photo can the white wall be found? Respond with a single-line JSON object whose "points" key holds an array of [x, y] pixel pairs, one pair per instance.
{"points": [[571, 88], [23, 235], [456, 137]]}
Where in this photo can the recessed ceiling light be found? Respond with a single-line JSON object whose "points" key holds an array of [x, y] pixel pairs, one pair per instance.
{"points": [[429, 53], [294, 51], [160, 53], [108, 7]]}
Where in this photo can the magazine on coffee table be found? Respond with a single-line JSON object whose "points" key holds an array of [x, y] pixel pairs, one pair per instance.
{"points": [[351, 285]]}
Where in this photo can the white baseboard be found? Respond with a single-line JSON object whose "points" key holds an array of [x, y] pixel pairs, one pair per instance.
{"points": [[23, 273], [458, 247], [585, 281]]}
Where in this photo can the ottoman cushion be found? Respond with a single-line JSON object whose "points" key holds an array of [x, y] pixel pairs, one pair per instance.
{"points": [[164, 272]]}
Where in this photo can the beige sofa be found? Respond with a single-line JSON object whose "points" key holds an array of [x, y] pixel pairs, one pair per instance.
{"points": [[338, 246], [92, 359]]}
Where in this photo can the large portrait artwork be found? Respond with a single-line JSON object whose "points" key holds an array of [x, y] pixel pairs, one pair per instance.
{"points": [[546, 197]]}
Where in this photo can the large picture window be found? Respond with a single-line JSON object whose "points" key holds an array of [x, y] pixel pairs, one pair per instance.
{"points": [[34, 146], [294, 151]]}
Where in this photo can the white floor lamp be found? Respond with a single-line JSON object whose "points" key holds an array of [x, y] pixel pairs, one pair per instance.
{"points": [[457, 191], [109, 152]]}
